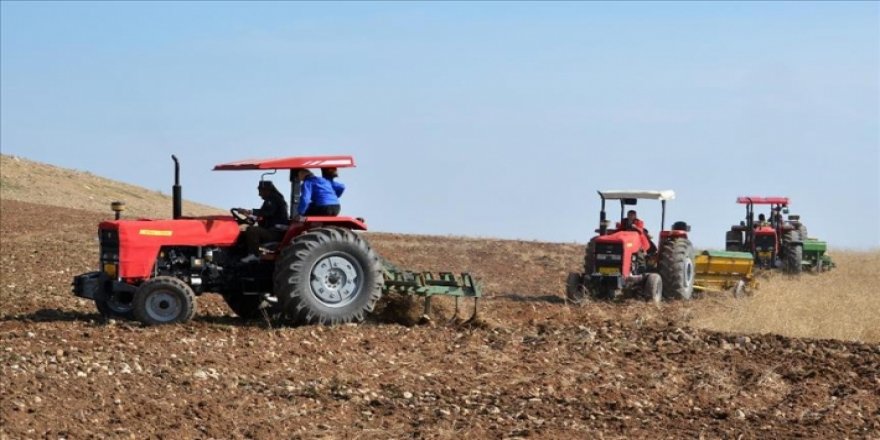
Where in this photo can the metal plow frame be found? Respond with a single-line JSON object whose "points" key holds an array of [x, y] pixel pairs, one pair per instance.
{"points": [[427, 285]]}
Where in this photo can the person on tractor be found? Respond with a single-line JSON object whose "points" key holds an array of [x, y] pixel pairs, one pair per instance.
{"points": [[331, 174], [634, 223], [272, 220], [318, 196], [762, 221]]}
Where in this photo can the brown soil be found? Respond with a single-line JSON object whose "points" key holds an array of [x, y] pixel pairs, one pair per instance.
{"points": [[532, 366]]}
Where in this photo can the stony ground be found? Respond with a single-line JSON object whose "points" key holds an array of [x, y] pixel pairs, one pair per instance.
{"points": [[531, 366]]}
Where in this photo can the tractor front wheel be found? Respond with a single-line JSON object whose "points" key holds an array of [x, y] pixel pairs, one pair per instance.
{"points": [[653, 288], [575, 291], [117, 305], [677, 268], [164, 300], [247, 307], [328, 276]]}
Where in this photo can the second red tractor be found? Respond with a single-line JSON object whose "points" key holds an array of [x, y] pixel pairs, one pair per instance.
{"points": [[624, 258]]}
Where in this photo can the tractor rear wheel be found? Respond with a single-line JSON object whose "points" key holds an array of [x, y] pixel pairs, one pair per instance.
{"points": [[677, 268], [733, 241], [794, 253], [117, 305], [164, 300], [589, 256], [328, 276]]}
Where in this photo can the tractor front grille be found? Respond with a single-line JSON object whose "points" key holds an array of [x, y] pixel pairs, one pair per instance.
{"points": [[608, 255], [765, 243]]}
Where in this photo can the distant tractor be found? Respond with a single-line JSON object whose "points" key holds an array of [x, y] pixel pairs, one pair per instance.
{"points": [[624, 259], [322, 271], [773, 242]]}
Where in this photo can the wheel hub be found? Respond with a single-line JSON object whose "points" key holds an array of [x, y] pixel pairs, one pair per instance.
{"points": [[335, 280], [163, 306]]}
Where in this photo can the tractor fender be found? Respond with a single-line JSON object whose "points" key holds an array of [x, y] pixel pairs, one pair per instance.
{"points": [[298, 228]]}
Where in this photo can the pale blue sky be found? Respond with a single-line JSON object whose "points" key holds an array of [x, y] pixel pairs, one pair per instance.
{"points": [[480, 119]]}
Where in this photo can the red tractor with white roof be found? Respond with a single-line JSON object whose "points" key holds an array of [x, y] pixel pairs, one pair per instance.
{"points": [[321, 271], [773, 241], [624, 259]]}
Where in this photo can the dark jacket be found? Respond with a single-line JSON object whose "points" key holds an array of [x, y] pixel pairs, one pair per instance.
{"points": [[273, 212]]}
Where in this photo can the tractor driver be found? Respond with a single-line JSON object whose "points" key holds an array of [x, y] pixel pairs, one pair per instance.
{"points": [[319, 196], [762, 221], [272, 220], [634, 223]]}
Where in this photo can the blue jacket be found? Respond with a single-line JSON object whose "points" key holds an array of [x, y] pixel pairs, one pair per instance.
{"points": [[319, 191], [338, 187]]}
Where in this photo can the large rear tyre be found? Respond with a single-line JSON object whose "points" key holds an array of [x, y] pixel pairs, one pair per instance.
{"points": [[164, 300], [677, 268], [328, 276], [589, 256], [117, 305], [733, 241], [794, 253]]}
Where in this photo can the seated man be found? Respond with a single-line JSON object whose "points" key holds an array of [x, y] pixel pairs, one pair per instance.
{"points": [[272, 220], [318, 196], [633, 223], [762, 221], [331, 174]]}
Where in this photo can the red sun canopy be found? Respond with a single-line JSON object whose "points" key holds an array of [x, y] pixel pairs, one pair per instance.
{"points": [[288, 163], [758, 200]]}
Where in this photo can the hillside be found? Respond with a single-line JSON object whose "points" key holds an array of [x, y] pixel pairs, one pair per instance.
{"points": [[532, 366], [35, 182]]}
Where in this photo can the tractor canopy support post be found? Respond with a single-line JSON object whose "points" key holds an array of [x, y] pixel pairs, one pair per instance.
{"points": [[663, 215], [295, 191], [603, 220], [176, 196]]}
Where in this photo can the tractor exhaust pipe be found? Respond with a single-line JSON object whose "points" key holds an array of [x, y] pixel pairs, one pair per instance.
{"points": [[177, 203]]}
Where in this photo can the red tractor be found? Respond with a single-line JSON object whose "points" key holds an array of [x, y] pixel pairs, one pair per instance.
{"points": [[624, 258], [773, 241], [152, 270]]}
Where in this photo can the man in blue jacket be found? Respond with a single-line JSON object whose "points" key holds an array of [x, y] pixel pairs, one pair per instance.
{"points": [[318, 195], [331, 174]]}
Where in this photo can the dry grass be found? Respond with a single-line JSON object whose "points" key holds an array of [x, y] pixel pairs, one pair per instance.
{"points": [[841, 304], [29, 181]]}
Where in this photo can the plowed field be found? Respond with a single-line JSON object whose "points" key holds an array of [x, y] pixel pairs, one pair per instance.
{"points": [[531, 366]]}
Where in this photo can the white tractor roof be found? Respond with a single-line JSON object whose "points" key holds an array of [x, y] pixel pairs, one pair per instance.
{"points": [[666, 194]]}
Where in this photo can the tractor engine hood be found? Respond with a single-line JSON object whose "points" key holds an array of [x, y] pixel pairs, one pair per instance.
{"points": [[141, 240], [629, 239]]}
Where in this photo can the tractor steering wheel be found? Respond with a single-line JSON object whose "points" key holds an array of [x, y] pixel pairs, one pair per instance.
{"points": [[242, 218]]}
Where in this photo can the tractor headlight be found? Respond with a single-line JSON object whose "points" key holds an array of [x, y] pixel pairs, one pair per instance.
{"points": [[110, 269]]}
